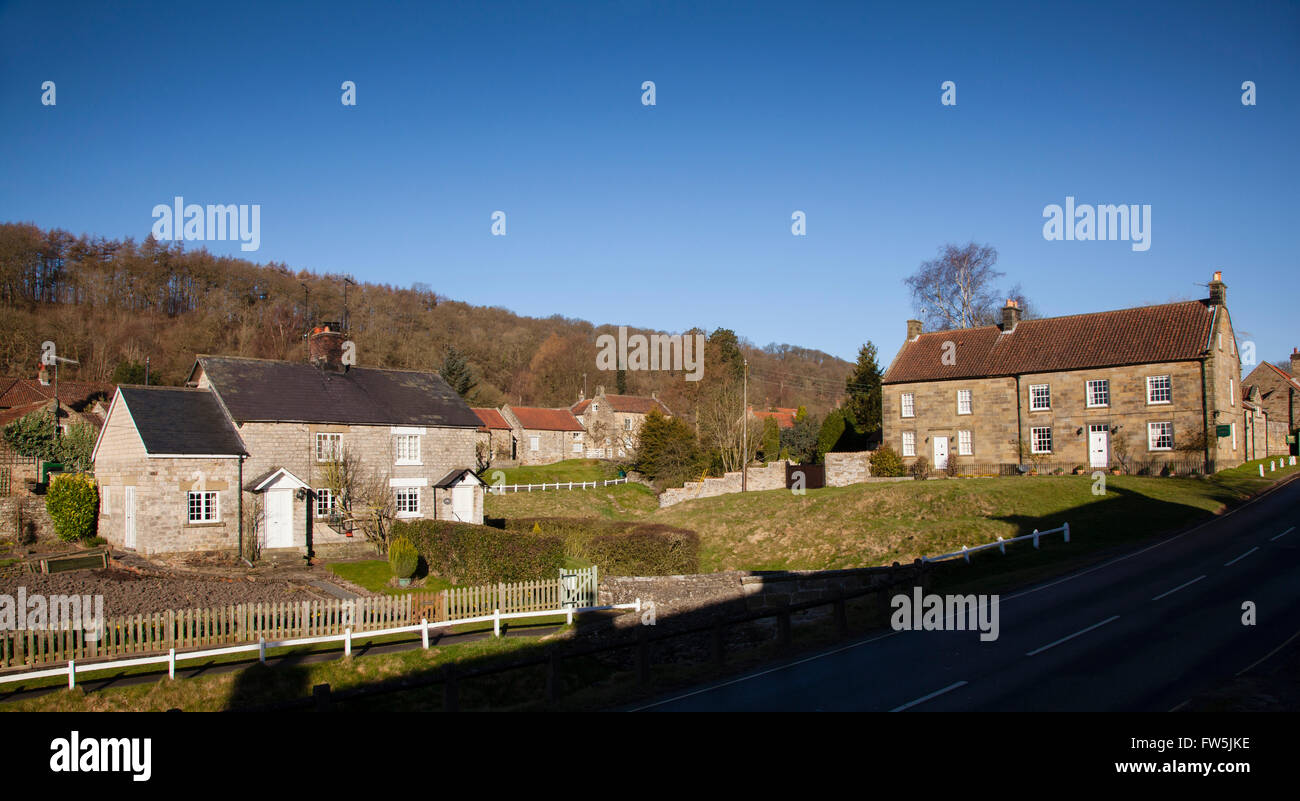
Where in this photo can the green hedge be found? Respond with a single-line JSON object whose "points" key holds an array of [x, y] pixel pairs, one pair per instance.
{"points": [[464, 553], [73, 504], [619, 548]]}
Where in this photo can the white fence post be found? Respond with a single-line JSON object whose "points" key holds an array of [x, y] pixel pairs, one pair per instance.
{"points": [[965, 553], [1261, 469], [347, 641], [171, 664], [496, 623], [72, 674], [1035, 538], [424, 632], [1002, 546], [261, 650], [1067, 532]]}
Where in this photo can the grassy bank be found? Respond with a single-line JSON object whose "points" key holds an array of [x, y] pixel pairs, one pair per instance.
{"points": [[567, 470], [618, 502]]}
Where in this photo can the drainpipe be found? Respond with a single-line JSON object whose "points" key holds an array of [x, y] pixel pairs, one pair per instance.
{"points": [[239, 488], [1205, 418], [1020, 440]]}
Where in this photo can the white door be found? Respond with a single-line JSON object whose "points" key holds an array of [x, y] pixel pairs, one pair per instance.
{"points": [[940, 453], [462, 503], [279, 518], [128, 517], [1098, 446]]}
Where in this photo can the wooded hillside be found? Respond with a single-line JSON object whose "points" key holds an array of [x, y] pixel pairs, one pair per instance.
{"points": [[110, 304]]}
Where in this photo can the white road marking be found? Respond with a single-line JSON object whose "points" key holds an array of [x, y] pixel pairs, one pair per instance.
{"points": [[1072, 636], [1283, 534], [1179, 587], [1269, 654], [925, 698], [1243, 556]]}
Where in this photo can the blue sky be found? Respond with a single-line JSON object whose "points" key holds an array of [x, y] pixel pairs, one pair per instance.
{"points": [[679, 214]]}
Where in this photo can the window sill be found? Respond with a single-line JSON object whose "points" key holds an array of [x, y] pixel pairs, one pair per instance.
{"points": [[407, 515], [1160, 403], [204, 524], [408, 464]]}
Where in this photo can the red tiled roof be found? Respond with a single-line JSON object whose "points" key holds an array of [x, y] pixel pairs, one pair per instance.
{"points": [[1147, 334], [628, 404], [11, 414], [21, 391], [784, 417], [491, 419], [546, 419]]}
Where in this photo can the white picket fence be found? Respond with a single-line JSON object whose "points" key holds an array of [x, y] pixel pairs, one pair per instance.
{"points": [[170, 659], [502, 489], [1001, 544]]}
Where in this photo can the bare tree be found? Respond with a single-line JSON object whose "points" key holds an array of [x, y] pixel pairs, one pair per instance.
{"points": [[958, 289], [721, 420], [362, 498]]}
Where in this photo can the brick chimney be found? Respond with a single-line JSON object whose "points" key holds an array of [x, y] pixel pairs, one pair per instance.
{"points": [[913, 329], [1295, 363], [1010, 315], [325, 348], [1218, 290], [43, 375]]}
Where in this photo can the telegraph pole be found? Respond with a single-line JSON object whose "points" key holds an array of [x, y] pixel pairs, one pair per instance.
{"points": [[744, 433]]}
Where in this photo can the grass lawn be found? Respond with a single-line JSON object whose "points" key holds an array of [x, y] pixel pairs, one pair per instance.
{"points": [[568, 470], [619, 502], [373, 574], [873, 524]]}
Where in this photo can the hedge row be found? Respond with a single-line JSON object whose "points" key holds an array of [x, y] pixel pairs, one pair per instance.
{"points": [[619, 548], [464, 553]]}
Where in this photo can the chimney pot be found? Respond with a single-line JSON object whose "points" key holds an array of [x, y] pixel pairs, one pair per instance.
{"points": [[325, 349], [1218, 290], [914, 328]]}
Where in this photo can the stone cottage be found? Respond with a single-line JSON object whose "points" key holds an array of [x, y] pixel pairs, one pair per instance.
{"points": [[247, 449], [613, 422], [1278, 396], [1146, 386], [544, 436]]}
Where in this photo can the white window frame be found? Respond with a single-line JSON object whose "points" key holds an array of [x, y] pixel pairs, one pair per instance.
{"points": [[534, 443], [1234, 436], [1155, 431], [1105, 393], [1232, 392], [409, 493], [1033, 439], [1046, 392], [324, 455], [907, 404], [909, 443], [577, 442], [1168, 390], [402, 445], [963, 394], [331, 504], [595, 407], [627, 423], [208, 513], [965, 443]]}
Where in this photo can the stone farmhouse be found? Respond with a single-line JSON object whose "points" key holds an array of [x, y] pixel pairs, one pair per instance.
{"points": [[1275, 393], [544, 436], [495, 442], [244, 451], [1142, 388], [613, 422]]}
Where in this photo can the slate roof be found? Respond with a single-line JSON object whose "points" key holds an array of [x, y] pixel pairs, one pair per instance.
{"points": [[629, 404], [531, 417], [491, 419], [1144, 335], [181, 420], [265, 390], [455, 476]]}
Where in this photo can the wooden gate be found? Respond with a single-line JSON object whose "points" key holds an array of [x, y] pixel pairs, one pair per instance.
{"points": [[578, 587], [813, 476]]}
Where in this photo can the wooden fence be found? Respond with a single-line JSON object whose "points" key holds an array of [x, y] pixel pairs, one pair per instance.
{"points": [[158, 633]]}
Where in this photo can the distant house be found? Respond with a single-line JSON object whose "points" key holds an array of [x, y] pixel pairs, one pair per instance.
{"points": [[784, 417], [613, 422], [1157, 383], [495, 440], [1278, 396], [79, 402], [244, 451], [544, 436]]}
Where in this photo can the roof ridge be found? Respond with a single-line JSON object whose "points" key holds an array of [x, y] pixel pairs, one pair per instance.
{"points": [[1069, 316]]}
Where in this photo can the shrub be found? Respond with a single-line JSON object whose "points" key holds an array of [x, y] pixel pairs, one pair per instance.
{"points": [[886, 462], [464, 553], [920, 468], [402, 557], [621, 548], [73, 504]]}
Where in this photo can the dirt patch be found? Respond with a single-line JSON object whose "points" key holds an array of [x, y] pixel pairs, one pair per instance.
{"points": [[129, 592]]}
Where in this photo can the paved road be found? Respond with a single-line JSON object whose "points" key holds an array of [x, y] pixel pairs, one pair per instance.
{"points": [[1143, 631]]}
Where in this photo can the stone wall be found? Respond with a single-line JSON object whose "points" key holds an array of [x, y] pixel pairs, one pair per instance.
{"points": [[769, 477], [735, 591], [36, 522], [843, 469]]}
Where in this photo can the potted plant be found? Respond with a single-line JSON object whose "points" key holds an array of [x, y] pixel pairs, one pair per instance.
{"points": [[403, 559]]}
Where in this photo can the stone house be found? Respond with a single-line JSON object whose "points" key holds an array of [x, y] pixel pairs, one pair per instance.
{"points": [[544, 436], [260, 467], [78, 401], [1143, 386], [1279, 398], [613, 422], [495, 442]]}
